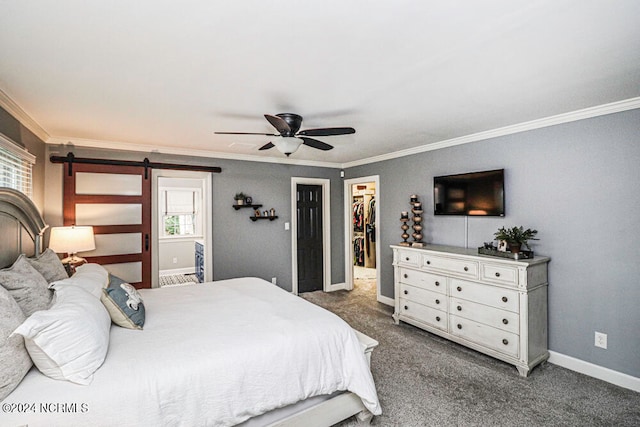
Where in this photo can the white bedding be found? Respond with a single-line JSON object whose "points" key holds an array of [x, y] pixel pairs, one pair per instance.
{"points": [[211, 354]]}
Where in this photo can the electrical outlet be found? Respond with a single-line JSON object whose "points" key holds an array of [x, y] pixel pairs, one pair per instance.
{"points": [[273, 280], [175, 260], [601, 340]]}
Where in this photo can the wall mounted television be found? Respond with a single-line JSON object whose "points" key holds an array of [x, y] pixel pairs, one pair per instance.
{"points": [[471, 194]]}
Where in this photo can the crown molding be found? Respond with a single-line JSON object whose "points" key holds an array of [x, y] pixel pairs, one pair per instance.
{"points": [[154, 149], [19, 114], [614, 107], [586, 113]]}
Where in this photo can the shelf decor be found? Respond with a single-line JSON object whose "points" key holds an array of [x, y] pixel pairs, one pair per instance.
{"points": [[240, 198]]}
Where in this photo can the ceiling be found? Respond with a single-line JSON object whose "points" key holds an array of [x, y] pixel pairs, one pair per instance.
{"points": [[164, 75]]}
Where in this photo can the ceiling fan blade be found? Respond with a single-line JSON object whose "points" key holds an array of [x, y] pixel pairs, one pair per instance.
{"points": [[278, 123], [267, 146], [327, 131], [316, 144], [245, 133]]}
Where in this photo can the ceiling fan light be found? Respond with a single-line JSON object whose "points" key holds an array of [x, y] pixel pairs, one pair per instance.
{"points": [[287, 144]]}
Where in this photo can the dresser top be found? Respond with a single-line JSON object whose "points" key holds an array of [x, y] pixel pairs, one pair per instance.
{"points": [[472, 253]]}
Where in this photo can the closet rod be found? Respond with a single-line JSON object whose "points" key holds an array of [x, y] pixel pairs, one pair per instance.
{"points": [[70, 158]]}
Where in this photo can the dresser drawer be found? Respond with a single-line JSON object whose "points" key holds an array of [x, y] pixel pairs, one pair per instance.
{"points": [[500, 319], [424, 314], [432, 282], [409, 258], [499, 274], [459, 267], [505, 299], [431, 299], [486, 336]]}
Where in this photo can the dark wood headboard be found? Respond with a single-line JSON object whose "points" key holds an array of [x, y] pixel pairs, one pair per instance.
{"points": [[21, 226]]}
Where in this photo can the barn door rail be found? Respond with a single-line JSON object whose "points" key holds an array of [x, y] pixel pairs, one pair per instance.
{"points": [[70, 158]]}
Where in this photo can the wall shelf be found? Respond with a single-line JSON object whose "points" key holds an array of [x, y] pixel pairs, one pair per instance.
{"points": [[236, 207], [255, 218]]}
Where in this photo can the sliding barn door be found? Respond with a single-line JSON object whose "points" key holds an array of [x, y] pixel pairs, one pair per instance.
{"points": [[116, 201]]}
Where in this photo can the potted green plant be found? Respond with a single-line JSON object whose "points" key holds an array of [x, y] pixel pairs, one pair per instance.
{"points": [[516, 237], [239, 198]]}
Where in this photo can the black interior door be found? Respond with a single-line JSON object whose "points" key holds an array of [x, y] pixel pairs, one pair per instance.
{"points": [[310, 259]]}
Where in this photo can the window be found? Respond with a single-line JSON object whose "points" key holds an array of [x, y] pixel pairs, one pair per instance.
{"points": [[15, 166], [179, 212], [179, 225]]}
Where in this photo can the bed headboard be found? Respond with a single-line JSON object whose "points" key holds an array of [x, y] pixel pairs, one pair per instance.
{"points": [[21, 226]]}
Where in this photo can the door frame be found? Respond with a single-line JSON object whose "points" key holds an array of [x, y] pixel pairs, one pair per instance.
{"points": [[348, 232], [207, 219], [326, 230]]}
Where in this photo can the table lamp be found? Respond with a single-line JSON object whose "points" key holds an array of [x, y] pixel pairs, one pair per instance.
{"points": [[71, 240]]}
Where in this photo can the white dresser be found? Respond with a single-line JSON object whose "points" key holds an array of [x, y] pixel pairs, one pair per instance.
{"points": [[494, 305]]}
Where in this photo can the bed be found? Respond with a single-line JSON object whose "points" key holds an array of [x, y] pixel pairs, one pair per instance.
{"points": [[232, 352]]}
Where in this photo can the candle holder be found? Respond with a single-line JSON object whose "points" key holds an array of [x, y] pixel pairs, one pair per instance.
{"points": [[404, 218], [417, 222]]}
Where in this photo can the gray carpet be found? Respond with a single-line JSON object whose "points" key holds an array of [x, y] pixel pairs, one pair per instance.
{"points": [[425, 380]]}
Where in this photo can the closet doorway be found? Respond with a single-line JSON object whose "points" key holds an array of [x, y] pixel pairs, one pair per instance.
{"points": [[362, 214]]}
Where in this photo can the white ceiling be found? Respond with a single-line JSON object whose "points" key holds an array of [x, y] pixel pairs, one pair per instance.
{"points": [[165, 75]]}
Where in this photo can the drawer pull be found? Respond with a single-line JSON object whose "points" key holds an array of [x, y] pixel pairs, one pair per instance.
{"points": [[459, 289], [466, 269], [497, 274], [505, 321], [459, 308], [437, 301], [407, 259], [505, 341], [505, 299], [428, 262], [437, 283], [437, 318], [459, 326], [406, 275], [406, 292], [406, 307]]}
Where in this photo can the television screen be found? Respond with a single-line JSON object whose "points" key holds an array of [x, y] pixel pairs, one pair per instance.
{"points": [[472, 194]]}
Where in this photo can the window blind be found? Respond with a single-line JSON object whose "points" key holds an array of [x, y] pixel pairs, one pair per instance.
{"points": [[180, 202], [15, 166]]}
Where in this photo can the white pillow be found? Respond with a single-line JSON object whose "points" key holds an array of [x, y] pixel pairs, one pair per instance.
{"points": [[70, 340], [90, 277]]}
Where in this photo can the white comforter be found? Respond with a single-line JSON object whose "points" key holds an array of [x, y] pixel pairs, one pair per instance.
{"points": [[212, 354]]}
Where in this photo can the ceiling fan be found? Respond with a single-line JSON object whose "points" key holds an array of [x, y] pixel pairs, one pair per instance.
{"points": [[290, 135]]}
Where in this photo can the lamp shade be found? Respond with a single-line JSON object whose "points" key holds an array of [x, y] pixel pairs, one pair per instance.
{"points": [[72, 239], [287, 144]]}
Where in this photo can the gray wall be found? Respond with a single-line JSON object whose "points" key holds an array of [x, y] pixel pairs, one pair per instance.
{"points": [[241, 247], [578, 185]]}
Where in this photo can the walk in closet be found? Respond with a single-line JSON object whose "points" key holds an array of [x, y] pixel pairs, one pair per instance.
{"points": [[364, 225]]}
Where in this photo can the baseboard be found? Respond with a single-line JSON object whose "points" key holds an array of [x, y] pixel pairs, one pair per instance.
{"points": [[386, 300], [187, 270], [595, 371], [337, 287]]}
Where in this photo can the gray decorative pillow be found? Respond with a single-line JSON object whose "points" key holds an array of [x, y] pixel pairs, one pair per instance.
{"points": [[14, 359], [26, 286], [124, 304], [49, 265]]}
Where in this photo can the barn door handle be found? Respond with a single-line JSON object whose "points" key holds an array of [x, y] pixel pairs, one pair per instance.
{"points": [[146, 242]]}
